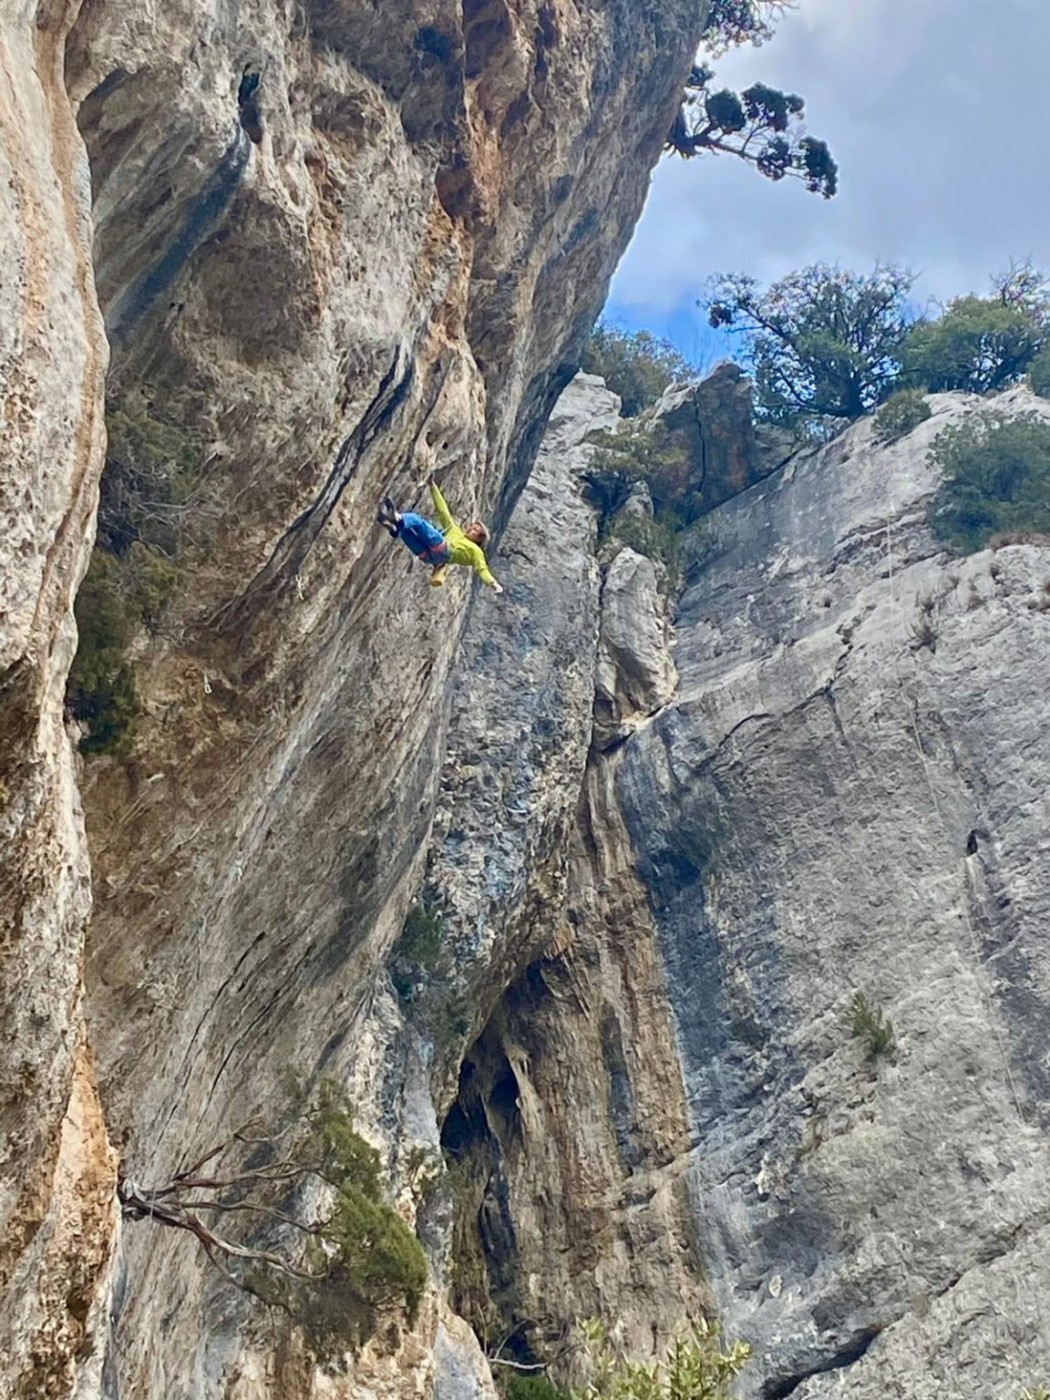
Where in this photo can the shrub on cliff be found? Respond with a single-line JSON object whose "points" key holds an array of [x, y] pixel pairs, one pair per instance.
{"points": [[533, 1388], [869, 1025], [901, 414], [634, 364], [695, 1367], [825, 344], [154, 517], [101, 692], [996, 478]]}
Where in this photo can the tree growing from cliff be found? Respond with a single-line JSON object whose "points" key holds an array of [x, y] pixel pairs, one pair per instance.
{"points": [[981, 344], [761, 125], [316, 1238], [634, 364], [824, 343]]}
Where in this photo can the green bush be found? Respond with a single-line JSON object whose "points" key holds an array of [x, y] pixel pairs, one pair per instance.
{"points": [[694, 1368], [996, 479], [978, 345], [867, 1023], [101, 690], [418, 953], [153, 488], [152, 518], [533, 1388], [1039, 373], [421, 970], [901, 414], [656, 541], [634, 364]]}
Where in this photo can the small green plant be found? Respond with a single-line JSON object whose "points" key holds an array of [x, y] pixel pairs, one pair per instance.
{"points": [[655, 540], [996, 479], [1040, 1393], [533, 1388], [696, 1367], [901, 414], [421, 968], [868, 1024], [418, 953]]}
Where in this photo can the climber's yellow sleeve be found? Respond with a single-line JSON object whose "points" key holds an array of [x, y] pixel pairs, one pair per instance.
{"points": [[444, 515], [480, 564]]}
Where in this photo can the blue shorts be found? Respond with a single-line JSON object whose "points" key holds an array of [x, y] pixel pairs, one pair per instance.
{"points": [[424, 539]]}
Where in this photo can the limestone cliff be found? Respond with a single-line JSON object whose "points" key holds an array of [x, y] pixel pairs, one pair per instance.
{"points": [[844, 793], [337, 245]]}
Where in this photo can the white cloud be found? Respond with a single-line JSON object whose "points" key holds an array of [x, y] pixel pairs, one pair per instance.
{"points": [[936, 113]]}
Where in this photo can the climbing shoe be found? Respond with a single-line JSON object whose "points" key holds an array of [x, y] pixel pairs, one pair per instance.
{"points": [[387, 516], [437, 578]]}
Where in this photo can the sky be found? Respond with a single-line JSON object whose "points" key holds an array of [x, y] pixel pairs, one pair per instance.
{"points": [[938, 116]]}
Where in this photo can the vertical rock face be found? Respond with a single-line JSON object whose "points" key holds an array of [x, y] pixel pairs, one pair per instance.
{"points": [[567, 1133], [339, 246], [844, 793], [56, 1169], [847, 795]]}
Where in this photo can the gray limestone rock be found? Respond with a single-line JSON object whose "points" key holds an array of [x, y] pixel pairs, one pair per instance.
{"points": [[635, 674], [848, 794]]}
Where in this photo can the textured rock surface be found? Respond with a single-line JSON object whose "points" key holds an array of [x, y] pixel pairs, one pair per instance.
{"points": [[568, 1129], [843, 793], [635, 674], [340, 245], [56, 1168], [838, 800], [728, 451]]}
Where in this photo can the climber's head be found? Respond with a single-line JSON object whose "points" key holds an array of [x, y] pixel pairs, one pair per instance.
{"points": [[477, 533]]}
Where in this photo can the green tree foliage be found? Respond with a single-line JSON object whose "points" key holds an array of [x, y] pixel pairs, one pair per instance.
{"points": [[101, 691], [695, 1367], [901, 414], [732, 22], [824, 343], [979, 345], [533, 1388], [649, 453], [996, 478], [1039, 373], [634, 364], [154, 517], [868, 1024], [761, 125]]}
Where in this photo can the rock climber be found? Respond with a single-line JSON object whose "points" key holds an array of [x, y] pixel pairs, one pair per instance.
{"points": [[439, 547]]}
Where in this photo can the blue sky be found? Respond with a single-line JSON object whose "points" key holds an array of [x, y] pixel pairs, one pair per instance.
{"points": [[937, 114]]}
